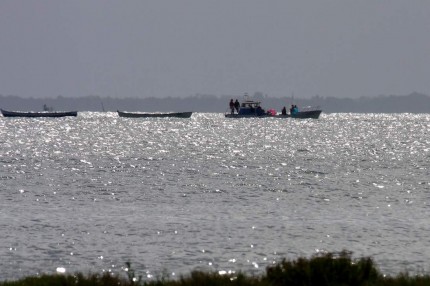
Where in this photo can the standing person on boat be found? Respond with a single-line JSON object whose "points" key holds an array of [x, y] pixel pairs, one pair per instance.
{"points": [[237, 106], [292, 109], [284, 111], [232, 106]]}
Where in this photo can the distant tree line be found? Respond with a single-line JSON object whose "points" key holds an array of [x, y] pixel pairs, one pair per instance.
{"points": [[412, 103]]}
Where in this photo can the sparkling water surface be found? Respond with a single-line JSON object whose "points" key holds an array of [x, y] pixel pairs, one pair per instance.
{"points": [[208, 193]]}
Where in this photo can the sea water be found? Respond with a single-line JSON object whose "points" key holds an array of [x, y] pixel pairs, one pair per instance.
{"points": [[208, 193]]}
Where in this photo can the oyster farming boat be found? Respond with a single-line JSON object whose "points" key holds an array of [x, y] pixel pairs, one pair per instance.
{"points": [[251, 108], [7, 113], [147, 115], [248, 108], [307, 112]]}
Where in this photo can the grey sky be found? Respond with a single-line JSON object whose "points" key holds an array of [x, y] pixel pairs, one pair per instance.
{"points": [[341, 48]]}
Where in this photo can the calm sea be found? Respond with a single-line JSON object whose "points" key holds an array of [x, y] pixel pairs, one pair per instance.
{"points": [[173, 195]]}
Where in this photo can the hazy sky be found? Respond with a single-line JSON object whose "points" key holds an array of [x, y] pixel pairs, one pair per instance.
{"points": [[139, 48]]}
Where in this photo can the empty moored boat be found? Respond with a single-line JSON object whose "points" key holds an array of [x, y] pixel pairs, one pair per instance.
{"points": [[147, 115], [7, 113]]}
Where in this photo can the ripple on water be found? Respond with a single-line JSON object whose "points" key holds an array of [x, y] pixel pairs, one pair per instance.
{"points": [[93, 192]]}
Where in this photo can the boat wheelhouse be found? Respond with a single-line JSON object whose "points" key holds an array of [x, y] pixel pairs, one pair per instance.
{"points": [[248, 108]]}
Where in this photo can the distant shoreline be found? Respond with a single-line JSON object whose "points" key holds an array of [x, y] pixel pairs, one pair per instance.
{"points": [[412, 103]]}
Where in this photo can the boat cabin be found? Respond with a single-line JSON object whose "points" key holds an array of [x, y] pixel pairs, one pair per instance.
{"points": [[250, 107]]}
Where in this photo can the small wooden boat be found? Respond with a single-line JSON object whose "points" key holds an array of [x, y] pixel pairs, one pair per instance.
{"points": [[313, 114], [38, 114], [148, 115]]}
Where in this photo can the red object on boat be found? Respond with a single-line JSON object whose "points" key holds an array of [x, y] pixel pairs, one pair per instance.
{"points": [[271, 112]]}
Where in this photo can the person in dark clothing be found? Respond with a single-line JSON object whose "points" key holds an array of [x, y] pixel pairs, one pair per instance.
{"points": [[259, 111], [237, 105], [284, 111], [232, 106]]}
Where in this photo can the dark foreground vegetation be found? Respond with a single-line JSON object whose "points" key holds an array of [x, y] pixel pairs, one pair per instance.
{"points": [[327, 269]]}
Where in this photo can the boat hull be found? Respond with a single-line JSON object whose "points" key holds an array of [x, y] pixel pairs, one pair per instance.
{"points": [[152, 115], [312, 114], [247, 115], [7, 113]]}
